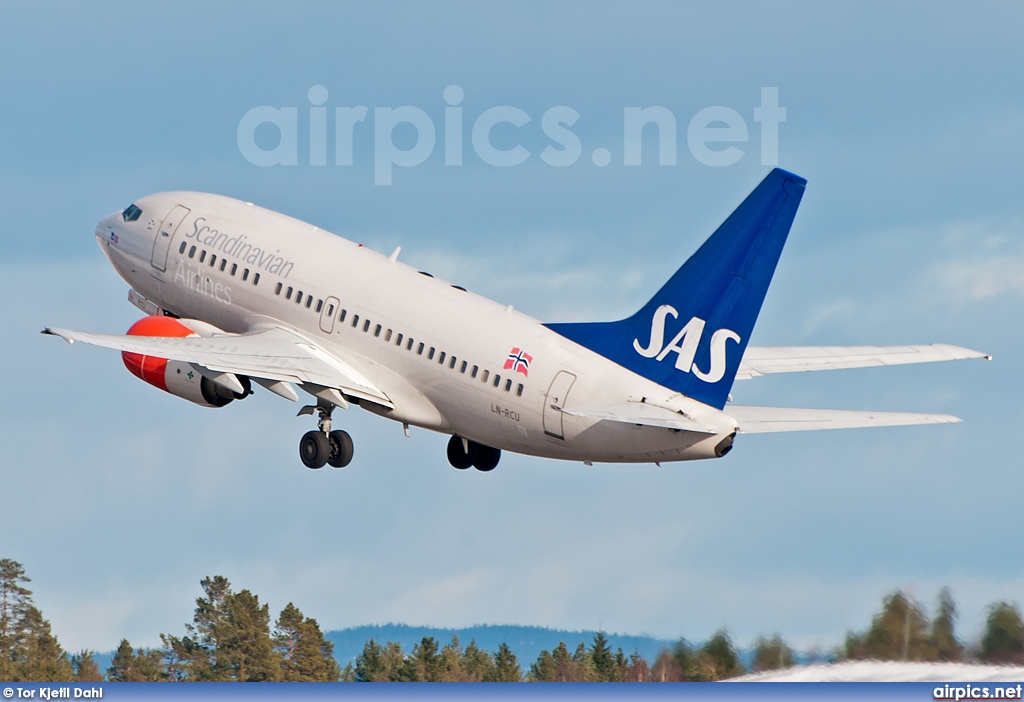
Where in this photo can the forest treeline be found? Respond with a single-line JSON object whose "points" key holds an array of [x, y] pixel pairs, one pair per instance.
{"points": [[231, 638]]}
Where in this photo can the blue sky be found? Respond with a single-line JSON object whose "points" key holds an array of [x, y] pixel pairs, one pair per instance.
{"points": [[907, 120]]}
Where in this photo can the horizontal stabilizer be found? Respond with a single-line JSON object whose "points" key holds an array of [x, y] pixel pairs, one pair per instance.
{"points": [[641, 413], [273, 354], [761, 360], [763, 420]]}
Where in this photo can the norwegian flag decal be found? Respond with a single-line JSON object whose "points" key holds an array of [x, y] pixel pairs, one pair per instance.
{"points": [[519, 361]]}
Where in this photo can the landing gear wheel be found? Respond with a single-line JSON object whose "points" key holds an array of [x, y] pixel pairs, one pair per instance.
{"points": [[457, 454], [486, 458], [314, 449], [340, 449]]}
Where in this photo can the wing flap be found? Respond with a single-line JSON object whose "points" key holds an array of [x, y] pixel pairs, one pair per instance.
{"points": [[640, 413], [761, 360], [273, 354], [762, 420]]}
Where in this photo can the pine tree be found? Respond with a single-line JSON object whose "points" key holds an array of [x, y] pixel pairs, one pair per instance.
{"points": [[477, 663], [717, 659], [370, 663], [1003, 640], [86, 670], [229, 639], [543, 669], [450, 662], [685, 662], [379, 663], [943, 634], [15, 600], [898, 632], [506, 667], [304, 652], [426, 662], [129, 666], [771, 654], [601, 658], [41, 659]]}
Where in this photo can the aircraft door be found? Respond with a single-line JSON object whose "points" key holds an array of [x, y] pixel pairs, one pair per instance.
{"points": [[554, 402], [165, 234], [328, 313]]}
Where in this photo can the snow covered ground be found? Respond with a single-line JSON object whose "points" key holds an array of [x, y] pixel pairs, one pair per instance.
{"points": [[886, 671]]}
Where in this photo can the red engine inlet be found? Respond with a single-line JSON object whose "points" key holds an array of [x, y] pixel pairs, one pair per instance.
{"points": [[175, 377], [150, 368]]}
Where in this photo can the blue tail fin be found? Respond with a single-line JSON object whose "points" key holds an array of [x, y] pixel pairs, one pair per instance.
{"points": [[692, 334]]}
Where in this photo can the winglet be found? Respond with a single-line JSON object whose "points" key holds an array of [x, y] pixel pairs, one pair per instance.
{"points": [[59, 333]]}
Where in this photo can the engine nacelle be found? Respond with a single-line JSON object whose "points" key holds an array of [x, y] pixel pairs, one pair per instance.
{"points": [[176, 377]]}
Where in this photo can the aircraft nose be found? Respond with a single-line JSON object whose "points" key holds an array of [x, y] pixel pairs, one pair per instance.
{"points": [[105, 229]]}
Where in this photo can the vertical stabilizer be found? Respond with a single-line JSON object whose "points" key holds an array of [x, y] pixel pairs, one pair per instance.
{"points": [[691, 335]]}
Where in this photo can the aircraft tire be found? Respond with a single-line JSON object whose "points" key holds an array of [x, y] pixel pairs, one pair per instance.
{"points": [[486, 458], [341, 449], [314, 449], [457, 456]]}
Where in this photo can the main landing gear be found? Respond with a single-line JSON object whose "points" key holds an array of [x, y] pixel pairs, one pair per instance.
{"points": [[323, 446], [463, 453]]}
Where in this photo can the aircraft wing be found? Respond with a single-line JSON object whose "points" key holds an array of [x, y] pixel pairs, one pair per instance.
{"points": [[640, 413], [762, 420], [274, 354], [760, 360]]}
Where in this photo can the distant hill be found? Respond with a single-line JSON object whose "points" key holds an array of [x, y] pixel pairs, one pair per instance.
{"points": [[525, 641]]}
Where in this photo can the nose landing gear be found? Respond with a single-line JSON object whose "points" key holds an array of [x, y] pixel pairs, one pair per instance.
{"points": [[323, 446]]}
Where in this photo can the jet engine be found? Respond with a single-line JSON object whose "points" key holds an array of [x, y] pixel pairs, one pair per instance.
{"points": [[179, 378]]}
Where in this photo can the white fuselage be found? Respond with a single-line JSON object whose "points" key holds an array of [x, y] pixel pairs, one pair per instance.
{"points": [[357, 304]]}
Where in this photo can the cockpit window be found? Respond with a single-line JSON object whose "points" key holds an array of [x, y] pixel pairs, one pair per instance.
{"points": [[131, 213]]}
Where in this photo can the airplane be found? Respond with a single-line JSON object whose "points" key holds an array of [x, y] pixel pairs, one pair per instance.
{"points": [[238, 296]]}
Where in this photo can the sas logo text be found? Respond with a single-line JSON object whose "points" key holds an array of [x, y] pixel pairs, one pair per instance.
{"points": [[684, 344]]}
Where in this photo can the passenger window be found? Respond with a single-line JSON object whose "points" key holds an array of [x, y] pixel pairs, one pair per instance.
{"points": [[298, 298], [355, 320], [223, 264], [245, 274], [192, 252], [181, 249], [440, 359], [463, 368], [387, 335], [376, 331], [342, 317], [430, 354], [497, 380], [202, 256], [234, 268], [309, 302], [475, 369], [288, 295], [213, 260], [419, 349], [277, 290], [483, 376], [366, 326], [451, 364], [319, 305], [508, 385], [330, 310], [398, 340], [408, 345], [256, 279], [519, 390]]}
